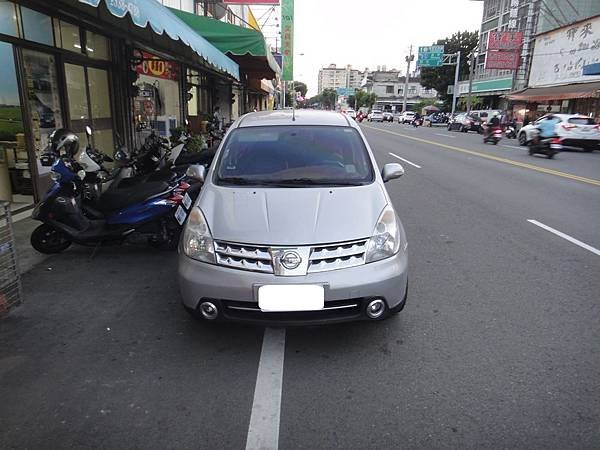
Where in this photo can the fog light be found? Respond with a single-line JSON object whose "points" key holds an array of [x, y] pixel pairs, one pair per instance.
{"points": [[209, 310], [375, 308]]}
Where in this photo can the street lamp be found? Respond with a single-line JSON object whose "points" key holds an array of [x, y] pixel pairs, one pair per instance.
{"points": [[474, 54], [410, 58]]}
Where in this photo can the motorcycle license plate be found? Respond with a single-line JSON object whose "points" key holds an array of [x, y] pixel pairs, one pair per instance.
{"points": [[556, 146], [187, 201], [180, 215]]}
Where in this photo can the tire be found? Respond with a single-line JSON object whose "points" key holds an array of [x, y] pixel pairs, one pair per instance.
{"points": [[495, 142], [171, 243], [449, 128], [464, 130], [531, 152], [48, 240], [522, 139]]}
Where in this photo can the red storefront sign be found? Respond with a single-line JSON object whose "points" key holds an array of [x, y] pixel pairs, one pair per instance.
{"points": [[502, 60], [505, 40], [153, 66]]}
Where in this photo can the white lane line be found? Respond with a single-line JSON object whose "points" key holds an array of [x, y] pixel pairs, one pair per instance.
{"points": [[445, 135], [514, 146], [565, 236], [263, 431], [405, 160]]}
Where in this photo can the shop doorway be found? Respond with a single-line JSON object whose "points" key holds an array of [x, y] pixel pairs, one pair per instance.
{"points": [[89, 100]]}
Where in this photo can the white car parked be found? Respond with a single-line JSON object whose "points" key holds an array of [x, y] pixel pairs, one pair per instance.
{"points": [[574, 130], [406, 117]]}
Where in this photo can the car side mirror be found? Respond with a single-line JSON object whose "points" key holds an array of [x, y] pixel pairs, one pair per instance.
{"points": [[196, 171], [391, 171]]}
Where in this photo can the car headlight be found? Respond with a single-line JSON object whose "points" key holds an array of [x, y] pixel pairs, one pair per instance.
{"points": [[197, 240], [385, 241]]}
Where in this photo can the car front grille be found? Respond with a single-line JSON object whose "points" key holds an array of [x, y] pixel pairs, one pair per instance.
{"points": [[260, 258], [244, 257], [337, 256]]}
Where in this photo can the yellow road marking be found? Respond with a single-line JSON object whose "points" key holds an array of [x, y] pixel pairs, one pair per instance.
{"points": [[557, 173]]}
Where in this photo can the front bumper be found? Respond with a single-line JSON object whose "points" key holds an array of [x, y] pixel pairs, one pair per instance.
{"points": [[347, 291]]}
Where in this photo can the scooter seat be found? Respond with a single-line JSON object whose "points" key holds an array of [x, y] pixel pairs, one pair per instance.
{"points": [[113, 200]]}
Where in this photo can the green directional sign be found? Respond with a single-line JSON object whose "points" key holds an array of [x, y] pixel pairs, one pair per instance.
{"points": [[431, 56]]}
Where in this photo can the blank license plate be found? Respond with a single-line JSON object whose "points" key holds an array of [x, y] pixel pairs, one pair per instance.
{"points": [[180, 215], [291, 297]]}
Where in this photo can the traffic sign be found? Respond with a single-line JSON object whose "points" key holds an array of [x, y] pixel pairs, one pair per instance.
{"points": [[431, 56], [344, 91]]}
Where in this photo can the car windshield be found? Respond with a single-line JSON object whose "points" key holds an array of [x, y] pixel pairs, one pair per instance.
{"points": [[294, 156]]}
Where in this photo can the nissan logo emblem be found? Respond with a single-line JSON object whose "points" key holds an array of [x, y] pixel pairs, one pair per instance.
{"points": [[290, 260]]}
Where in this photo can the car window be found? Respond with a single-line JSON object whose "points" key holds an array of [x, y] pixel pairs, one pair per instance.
{"points": [[294, 155], [582, 121]]}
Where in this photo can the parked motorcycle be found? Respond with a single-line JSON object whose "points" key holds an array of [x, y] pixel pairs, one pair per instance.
{"points": [[494, 136], [156, 210]]}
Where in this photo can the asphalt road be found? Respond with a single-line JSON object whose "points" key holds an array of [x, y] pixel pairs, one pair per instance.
{"points": [[496, 348]]}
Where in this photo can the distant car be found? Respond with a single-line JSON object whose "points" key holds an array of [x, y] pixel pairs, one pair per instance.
{"points": [[574, 130], [435, 119], [375, 116], [388, 117], [351, 113], [406, 117], [465, 123]]}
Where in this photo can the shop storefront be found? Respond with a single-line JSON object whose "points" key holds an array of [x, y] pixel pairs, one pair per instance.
{"points": [[73, 63], [558, 81]]}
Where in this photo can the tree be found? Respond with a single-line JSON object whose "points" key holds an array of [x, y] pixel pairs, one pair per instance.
{"points": [[328, 98], [364, 98], [292, 88], [475, 102], [439, 78]]}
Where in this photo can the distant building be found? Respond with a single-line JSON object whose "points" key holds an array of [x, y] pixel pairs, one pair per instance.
{"points": [[388, 85], [332, 77]]}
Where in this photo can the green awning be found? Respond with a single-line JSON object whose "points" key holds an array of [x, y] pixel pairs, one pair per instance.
{"points": [[237, 42]]}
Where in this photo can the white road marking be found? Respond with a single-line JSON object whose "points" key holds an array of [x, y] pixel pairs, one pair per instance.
{"points": [[446, 135], [514, 146], [405, 160], [263, 431], [565, 236]]}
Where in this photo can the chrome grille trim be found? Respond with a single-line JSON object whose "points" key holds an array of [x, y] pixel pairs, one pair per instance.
{"points": [[337, 256], [244, 257]]}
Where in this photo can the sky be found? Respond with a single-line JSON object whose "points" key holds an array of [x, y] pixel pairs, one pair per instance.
{"points": [[370, 33]]}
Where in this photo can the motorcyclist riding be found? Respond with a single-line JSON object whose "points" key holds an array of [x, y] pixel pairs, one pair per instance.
{"points": [[493, 122]]}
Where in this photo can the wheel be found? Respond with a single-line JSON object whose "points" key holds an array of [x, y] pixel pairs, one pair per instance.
{"points": [[495, 142], [550, 155], [522, 139], [463, 129], [169, 238], [531, 152], [449, 128], [48, 240]]}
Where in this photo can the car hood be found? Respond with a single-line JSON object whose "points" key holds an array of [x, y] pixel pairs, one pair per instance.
{"points": [[292, 216]]}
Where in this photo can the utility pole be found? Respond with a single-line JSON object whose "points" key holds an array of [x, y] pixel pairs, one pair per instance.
{"points": [[455, 95], [408, 59], [471, 67]]}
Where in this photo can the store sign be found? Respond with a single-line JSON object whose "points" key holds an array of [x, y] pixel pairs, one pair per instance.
{"points": [[513, 14], [560, 56], [287, 39], [505, 40], [503, 49], [502, 60], [153, 66]]}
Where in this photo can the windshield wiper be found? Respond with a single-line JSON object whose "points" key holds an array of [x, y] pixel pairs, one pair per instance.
{"points": [[239, 180]]}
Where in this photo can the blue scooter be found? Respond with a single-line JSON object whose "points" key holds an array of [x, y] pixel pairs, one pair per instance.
{"points": [[154, 209]]}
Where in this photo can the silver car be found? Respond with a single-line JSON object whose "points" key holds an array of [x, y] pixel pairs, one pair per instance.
{"points": [[294, 226]]}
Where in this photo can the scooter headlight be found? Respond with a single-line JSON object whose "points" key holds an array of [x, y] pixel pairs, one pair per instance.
{"points": [[197, 239], [386, 238]]}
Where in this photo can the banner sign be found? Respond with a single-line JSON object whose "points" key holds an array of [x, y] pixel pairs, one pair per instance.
{"points": [[505, 40], [287, 39], [559, 56], [251, 2], [502, 60], [155, 67]]}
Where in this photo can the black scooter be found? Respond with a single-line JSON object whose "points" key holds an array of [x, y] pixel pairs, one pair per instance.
{"points": [[545, 146]]}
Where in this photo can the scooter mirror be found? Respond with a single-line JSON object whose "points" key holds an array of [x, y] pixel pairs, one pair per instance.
{"points": [[187, 123], [88, 130]]}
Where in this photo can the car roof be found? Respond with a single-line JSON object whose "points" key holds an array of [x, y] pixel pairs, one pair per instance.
{"points": [[297, 117]]}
